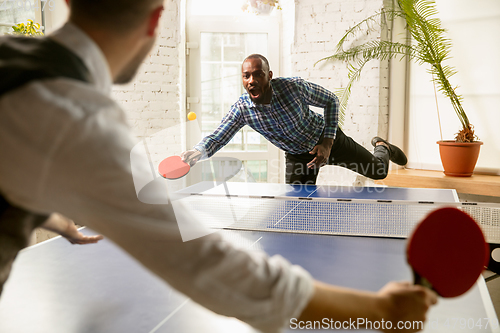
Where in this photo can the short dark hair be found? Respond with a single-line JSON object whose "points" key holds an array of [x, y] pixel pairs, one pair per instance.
{"points": [[259, 56], [121, 15]]}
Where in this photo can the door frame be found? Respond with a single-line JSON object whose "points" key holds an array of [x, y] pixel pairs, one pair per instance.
{"points": [[229, 24]]}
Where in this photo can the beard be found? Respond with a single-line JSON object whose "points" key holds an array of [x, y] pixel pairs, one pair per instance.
{"points": [[261, 99]]}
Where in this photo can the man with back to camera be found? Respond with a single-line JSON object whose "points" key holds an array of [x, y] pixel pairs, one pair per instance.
{"points": [[67, 148], [279, 110]]}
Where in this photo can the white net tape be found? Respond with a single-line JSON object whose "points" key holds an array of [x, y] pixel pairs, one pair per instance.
{"points": [[488, 217], [329, 216]]}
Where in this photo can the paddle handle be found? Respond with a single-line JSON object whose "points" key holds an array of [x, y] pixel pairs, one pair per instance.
{"points": [[191, 156], [421, 281]]}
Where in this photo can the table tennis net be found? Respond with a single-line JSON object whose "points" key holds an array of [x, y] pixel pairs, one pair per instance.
{"points": [[329, 216]]}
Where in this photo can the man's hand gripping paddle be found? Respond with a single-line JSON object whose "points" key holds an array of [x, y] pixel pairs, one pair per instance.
{"points": [[447, 252], [173, 167]]}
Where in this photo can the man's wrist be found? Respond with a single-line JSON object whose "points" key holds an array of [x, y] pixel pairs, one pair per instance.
{"points": [[202, 151], [327, 142]]}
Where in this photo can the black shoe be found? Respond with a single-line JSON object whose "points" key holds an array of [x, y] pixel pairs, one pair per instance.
{"points": [[396, 154]]}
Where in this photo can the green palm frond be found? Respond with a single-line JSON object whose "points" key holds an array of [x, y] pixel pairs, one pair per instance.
{"points": [[344, 93], [370, 24], [430, 46], [377, 49]]}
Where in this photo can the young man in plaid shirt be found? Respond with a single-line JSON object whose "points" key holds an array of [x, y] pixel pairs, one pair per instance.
{"points": [[279, 110]]}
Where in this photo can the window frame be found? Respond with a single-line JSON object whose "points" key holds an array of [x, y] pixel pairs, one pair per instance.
{"points": [[229, 24], [39, 14]]}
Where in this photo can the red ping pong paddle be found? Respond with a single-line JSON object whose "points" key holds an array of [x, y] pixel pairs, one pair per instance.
{"points": [[173, 167], [447, 252]]}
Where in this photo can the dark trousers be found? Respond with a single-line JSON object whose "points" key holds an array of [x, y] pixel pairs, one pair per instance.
{"points": [[345, 153]]}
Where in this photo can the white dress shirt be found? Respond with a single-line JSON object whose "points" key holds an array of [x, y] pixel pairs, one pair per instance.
{"points": [[65, 147]]}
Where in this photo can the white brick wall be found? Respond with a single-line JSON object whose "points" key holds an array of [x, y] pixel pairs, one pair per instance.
{"points": [[319, 24], [152, 100], [12, 14]]}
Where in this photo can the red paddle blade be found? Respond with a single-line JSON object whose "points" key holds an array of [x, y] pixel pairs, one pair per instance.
{"points": [[447, 251], [173, 167]]}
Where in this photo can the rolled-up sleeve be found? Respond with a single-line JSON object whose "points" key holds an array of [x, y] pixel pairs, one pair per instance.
{"points": [[318, 96]]}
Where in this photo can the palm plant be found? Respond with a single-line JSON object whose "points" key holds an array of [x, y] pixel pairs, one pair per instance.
{"points": [[430, 46]]}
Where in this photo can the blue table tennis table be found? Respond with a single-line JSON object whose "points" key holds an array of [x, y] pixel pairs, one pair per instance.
{"points": [[59, 288]]}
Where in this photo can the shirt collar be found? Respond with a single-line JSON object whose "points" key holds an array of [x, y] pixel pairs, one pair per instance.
{"points": [[82, 45]]}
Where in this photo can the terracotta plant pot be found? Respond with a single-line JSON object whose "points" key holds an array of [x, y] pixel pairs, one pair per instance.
{"points": [[459, 158]]}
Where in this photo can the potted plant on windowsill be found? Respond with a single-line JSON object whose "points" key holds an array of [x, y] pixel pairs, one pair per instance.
{"points": [[430, 46], [30, 29]]}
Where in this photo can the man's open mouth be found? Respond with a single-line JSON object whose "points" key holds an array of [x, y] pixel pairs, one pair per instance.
{"points": [[254, 92]]}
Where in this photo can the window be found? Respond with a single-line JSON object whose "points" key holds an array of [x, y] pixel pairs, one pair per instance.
{"points": [[221, 56], [475, 52], [13, 12], [218, 39]]}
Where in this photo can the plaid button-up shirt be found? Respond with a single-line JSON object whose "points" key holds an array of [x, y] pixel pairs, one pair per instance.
{"points": [[287, 122]]}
